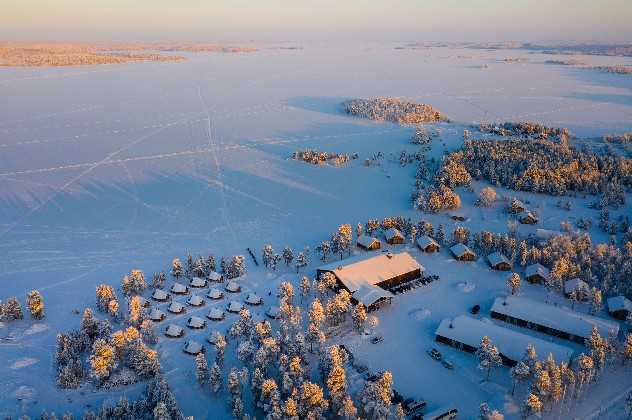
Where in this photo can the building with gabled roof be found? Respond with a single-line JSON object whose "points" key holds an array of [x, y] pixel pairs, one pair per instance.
{"points": [[179, 289], [198, 282], [619, 307], [253, 299], [193, 347], [427, 244], [579, 286], [537, 274], [368, 242], [215, 314], [215, 276], [160, 295], [195, 300], [466, 333], [372, 297], [394, 236], [528, 218], [174, 331], [196, 322], [233, 287], [234, 306], [462, 252], [157, 315], [176, 308], [215, 294], [549, 319], [498, 261]]}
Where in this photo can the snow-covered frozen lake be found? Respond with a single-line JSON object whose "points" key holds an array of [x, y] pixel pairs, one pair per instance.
{"points": [[108, 168]]}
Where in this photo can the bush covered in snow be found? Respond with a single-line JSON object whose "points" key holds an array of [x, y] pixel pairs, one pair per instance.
{"points": [[320, 158], [525, 129], [393, 109]]}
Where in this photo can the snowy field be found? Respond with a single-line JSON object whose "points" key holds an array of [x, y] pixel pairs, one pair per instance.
{"points": [[104, 169]]}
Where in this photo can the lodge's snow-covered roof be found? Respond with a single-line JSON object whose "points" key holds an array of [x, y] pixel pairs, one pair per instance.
{"points": [[215, 314], [356, 271], [366, 240], [512, 344], [160, 294], [253, 299], [425, 241], [496, 258], [193, 347], [537, 268], [369, 294], [174, 330], [156, 315], [196, 322], [179, 288], [555, 317], [233, 286], [273, 312], [215, 293], [175, 307], [195, 300], [460, 249], [234, 306], [619, 303], [198, 282], [575, 284], [393, 233]]}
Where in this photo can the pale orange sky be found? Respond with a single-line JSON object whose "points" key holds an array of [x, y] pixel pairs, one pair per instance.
{"points": [[317, 19]]}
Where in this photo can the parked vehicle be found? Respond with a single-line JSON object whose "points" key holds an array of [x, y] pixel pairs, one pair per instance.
{"points": [[442, 414], [475, 309], [447, 364], [412, 407], [434, 353]]}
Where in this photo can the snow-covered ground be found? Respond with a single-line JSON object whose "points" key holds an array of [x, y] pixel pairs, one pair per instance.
{"points": [[108, 168]]}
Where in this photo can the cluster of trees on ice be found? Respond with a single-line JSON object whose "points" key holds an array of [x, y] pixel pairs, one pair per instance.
{"points": [[320, 158], [232, 268], [394, 110], [272, 259], [528, 130], [11, 309]]}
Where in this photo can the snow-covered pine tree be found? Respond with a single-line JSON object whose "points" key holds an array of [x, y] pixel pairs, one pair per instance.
{"points": [[89, 325], [267, 253], [488, 356], [201, 368], [215, 378], [288, 255], [513, 282], [176, 268], [104, 294], [519, 373], [305, 287], [359, 316], [12, 310], [35, 304], [158, 280]]}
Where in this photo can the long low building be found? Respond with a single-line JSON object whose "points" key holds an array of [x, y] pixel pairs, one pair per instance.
{"points": [[549, 319], [466, 333], [385, 271]]}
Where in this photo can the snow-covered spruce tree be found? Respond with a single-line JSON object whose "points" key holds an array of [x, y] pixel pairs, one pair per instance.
{"points": [[595, 301], [513, 282], [220, 346], [104, 294], [201, 369], [137, 313], [113, 309], [288, 255], [486, 197], [488, 356], [585, 368], [312, 403], [215, 377], [236, 267], [441, 235], [597, 348], [274, 262], [11, 310], [519, 373], [133, 283], [210, 264], [89, 324], [302, 260], [375, 397], [102, 360], [188, 270], [305, 287], [324, 248], [348, 410], [487, 413], [158, 280], [148, 333], [35, 304], [532, 406], [160, 412], [359, 316], [267, 253], [626, 349], [176, 268]]}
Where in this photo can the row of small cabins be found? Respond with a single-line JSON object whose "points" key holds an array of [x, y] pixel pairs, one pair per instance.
{"points": [[466, 333]]}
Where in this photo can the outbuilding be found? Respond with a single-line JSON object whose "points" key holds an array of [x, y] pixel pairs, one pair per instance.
{"points": [[462, 252], [196, 322], [157, 315], [176, 308], [234, 306], [198, 282], [368, 242], [160, 295], [579, 286], [498, 261], [619, 307], [193, 347], [528, 218], [195, 300], [174, 331], [253, 299], [517, 206], [394, 236], [215, 314], [215, 277], [427, 244], [372, 297], [537, 274], [233, 287], [179, 289], [215, 294]]}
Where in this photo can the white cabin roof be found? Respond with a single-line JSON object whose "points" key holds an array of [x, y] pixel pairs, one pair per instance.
{"points": [[575, 284], [156, 314], [215, 293], [536, 268], [233, 286], [214, 276], [561, 319], [512, 344], [235, 306], [176, 307], [356, 271], [425, 241], [195, 321], [160, 294], [460, 249], [393, 233], [619, 303], [179, 288], [198, 282], [192, 347], [195, 300], [369, 294], [496, 258], [366, 240], [215, 313], [253, 298], [173, 330]]}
